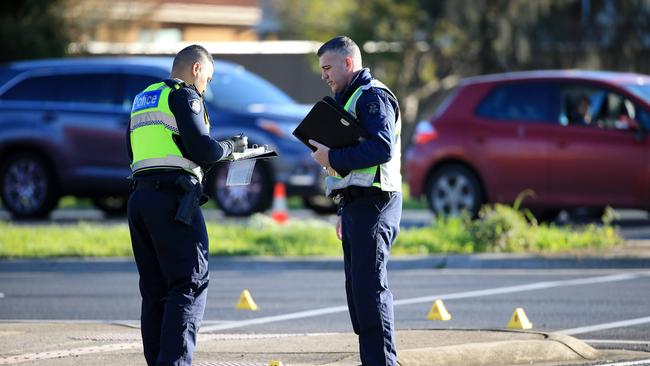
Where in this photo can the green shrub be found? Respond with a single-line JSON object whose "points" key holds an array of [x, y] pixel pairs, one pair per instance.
{"points": [[499, 228]]}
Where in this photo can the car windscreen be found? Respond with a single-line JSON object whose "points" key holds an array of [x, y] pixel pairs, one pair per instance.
{"points": [[240, 89], [641, 90]]}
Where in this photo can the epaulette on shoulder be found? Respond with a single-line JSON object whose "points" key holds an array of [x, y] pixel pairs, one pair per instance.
{"points": [[175, 84]]}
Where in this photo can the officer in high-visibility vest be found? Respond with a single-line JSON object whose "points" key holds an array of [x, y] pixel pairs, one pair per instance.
{"points": [[367, 180], [170, 148]]}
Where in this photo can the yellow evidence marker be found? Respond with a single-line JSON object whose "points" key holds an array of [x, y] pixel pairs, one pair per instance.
{"points": [[438, 311], [246, 302], [519, 320]]}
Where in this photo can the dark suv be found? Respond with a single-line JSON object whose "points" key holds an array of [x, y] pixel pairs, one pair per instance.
{"points": [[63, 124], [577, 139]]}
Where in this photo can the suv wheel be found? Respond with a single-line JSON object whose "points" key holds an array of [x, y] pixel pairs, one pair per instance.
{"points": [[111, 205], [242, 200], [27, 186], [453, 189]]}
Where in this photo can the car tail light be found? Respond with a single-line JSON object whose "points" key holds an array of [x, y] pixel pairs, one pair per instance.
{"points": [[424, 133]]}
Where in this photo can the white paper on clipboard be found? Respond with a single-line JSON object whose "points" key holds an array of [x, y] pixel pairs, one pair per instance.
{"points": [[240, 172], [242, 164]]}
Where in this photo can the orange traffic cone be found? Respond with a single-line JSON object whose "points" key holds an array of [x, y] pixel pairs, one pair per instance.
{"points": [[279, 211]]}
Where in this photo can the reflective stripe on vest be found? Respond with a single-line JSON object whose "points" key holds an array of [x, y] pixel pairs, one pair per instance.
{"points": [[390, 177], [152, 128]]}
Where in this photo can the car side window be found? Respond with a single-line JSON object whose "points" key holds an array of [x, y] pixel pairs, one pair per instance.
{"points": [[39, 88], [72, 88], [521, 102], [596, 107]]}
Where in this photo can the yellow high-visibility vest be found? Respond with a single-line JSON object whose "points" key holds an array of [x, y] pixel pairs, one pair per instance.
{"points": [[152, 128], [390, 177]]}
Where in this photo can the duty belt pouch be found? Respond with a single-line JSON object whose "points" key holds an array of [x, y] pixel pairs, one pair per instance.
{"points": [[190, 197]]}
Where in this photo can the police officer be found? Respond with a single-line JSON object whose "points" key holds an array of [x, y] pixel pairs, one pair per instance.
{"points": [[366, 177], [170, 148]]}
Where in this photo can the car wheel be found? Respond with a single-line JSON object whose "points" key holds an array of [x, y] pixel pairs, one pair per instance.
{"points": [[320, 204], [28, 186], [453, 189], [111, 205], [243, 200]]}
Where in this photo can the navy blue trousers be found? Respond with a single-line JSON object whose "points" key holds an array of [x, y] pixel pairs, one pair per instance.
{"points": [[370, 225], [172, 260]]}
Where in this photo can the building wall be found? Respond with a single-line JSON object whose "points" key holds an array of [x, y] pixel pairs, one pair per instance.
{"points": [[127, 21], [218, 33]]}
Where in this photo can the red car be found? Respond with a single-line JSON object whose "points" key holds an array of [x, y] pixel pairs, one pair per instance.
{"points": [[575, 138]]}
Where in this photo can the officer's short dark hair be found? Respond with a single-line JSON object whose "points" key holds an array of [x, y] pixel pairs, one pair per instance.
{"points": [[342, 45], [191, 54]]}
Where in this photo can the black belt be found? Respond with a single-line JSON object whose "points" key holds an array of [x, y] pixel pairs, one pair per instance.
{"points": [[158, 185], [353, 192]]}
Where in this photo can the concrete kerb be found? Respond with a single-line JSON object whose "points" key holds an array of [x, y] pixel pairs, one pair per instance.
{"points": [[451, 261], [550, 348], [98, 344]]}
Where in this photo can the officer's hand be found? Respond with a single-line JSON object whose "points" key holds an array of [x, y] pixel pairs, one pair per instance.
{"points": [[321, 155], [339, 232], [239, 143]]}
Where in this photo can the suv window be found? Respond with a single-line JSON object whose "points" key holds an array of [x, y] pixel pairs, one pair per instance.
{"points": [[521, 102], [79, 88], [591, 106], [242, 89]]}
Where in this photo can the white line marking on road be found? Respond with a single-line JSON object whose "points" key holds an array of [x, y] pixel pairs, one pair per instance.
{"points": [[324, 311], [603, 326], [2, 295], [519, 288], [418, 300]]}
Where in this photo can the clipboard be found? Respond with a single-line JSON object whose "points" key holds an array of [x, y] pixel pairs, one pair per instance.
{"points": [[242, 164], [329, 124], [255, 152]]}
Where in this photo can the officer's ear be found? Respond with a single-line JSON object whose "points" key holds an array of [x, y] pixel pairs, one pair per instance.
{"points": [[196, 68], [349, 63]]}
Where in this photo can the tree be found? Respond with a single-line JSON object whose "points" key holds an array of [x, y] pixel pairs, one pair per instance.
{"points": [[317, 20], [421, 48], [32, 29]]}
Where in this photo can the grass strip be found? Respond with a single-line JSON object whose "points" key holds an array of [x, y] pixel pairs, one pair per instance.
{"points": [[499, 229]]}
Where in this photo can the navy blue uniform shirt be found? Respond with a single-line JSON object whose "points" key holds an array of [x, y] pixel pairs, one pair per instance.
{"points": [[376, 112], [195, 143]]}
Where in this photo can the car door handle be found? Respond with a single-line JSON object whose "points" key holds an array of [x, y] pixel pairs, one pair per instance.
{"points": [[562, 144]]}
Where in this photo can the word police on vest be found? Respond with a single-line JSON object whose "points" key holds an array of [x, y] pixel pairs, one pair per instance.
{"points": [[146, 100]]}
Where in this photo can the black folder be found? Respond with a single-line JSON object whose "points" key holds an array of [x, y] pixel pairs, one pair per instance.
{"points": [[331, 125]]}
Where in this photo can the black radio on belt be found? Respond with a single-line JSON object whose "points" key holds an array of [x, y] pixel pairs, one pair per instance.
{"points": [[189, 200]]}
